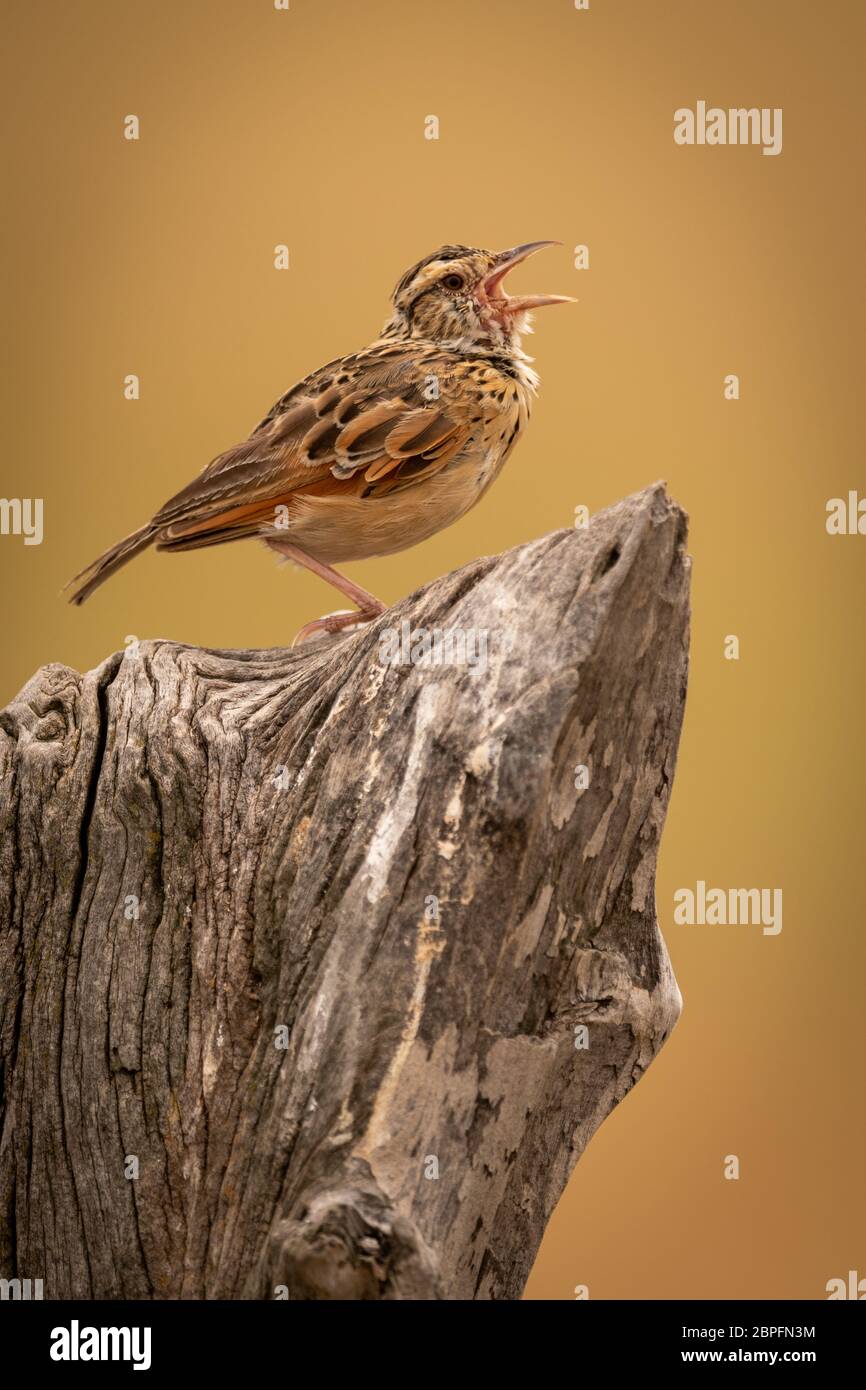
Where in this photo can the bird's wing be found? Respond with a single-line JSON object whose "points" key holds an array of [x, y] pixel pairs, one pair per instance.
{"points": [[362, 426]]}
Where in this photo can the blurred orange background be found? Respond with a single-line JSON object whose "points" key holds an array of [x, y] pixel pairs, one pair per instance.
{"points": [[306, 127]]}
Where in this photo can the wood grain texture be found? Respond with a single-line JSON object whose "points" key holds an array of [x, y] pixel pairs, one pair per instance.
{"points": [[207, 854]]}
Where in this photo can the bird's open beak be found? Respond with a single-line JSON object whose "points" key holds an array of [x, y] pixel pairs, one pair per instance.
{"points": [[491, 293]]}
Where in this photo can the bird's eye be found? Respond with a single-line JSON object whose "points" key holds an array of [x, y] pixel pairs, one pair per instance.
{"points": [[453, 282]]}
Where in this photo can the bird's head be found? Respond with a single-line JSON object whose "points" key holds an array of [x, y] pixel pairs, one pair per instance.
{"points": [[457, 296]]}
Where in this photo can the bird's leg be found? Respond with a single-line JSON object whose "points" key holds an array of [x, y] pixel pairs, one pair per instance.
{"points": [[368, 606]]}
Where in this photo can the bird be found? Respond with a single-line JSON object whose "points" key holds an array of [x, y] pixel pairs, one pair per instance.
{"points": [[378, 450]]}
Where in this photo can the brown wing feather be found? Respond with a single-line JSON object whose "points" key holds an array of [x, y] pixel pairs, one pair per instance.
{"points": [[365, 436]]}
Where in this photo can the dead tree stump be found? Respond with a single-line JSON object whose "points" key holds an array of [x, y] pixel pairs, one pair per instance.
{"points": [[319, 969]]}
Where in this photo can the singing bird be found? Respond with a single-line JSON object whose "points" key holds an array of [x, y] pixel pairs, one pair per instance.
{"points": [[375, 451]]}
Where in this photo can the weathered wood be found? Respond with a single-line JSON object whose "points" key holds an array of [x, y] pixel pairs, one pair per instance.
{"points": [[388, 868]]}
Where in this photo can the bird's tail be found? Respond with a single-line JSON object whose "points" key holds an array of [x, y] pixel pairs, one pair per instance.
{"points": [[96, 573]]}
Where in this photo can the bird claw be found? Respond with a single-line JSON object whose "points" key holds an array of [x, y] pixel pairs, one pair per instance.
{"points": [[342, 621]]}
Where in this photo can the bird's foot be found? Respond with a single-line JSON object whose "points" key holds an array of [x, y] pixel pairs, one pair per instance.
{"points": [[342, 621]]}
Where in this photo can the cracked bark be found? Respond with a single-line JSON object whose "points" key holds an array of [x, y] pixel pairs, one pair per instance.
{"points": [[298, 931]]}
